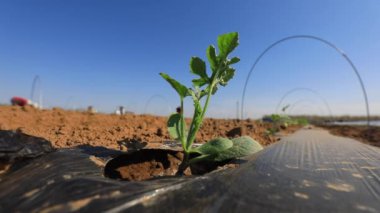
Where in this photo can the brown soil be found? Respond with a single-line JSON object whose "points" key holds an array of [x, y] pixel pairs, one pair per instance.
{"points": [[151, 163], [71, 128], [369, 135], [144, 164], [67, 129]]}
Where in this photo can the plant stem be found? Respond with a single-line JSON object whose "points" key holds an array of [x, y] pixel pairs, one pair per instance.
{"points": [[207, 100], [183, 138], [184, 164], [191, 137], [192, 133]]}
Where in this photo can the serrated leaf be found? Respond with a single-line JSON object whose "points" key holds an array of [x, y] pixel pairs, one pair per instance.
{"points": [[174, 126], [212, 59], [227, 43], [181, 89], [227, 75], [233, 60], [215, 146], [242, 146], [198, 67]]}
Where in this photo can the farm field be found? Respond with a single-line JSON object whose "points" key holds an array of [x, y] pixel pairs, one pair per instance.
{"points": [[191, 106], [65, 129]]}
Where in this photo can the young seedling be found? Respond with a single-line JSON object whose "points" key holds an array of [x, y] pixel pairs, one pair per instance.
{"points": [[282, 122], [204, 86]]}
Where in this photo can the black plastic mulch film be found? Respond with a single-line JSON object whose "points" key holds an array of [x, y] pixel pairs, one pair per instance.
{"points": [[309, 171]]}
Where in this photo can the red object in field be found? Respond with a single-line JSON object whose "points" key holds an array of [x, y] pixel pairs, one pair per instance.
{"points": [[19, 101]]}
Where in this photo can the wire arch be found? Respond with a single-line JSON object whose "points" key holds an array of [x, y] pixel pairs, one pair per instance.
{"points": [[308, 90], [343, 54], [154, 97], [36, 81], [303, 103]]}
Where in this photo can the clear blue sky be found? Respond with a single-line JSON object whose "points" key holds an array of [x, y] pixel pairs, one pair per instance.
{"points": [[109, 53]]}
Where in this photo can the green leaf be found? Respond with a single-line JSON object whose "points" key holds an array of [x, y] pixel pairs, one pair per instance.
{"points": [[202, 94], [200, 82], [198, 67], [174, 127], [233, 60], [242, 146], [227, 43], [214, 89], [215, 146], [285, 108], [201, 158], [227, 75], [181, 89], [205, 91], [275, 117], [212, 59]]}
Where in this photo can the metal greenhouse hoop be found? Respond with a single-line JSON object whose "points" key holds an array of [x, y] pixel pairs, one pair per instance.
{"points": [[296, 104], [308, 90], [317, 39], [154, 97], [70, 103], [36, 81]]}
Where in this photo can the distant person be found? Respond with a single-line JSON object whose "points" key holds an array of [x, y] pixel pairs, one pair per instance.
{"points": [[120, 111], [91, 109]]}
